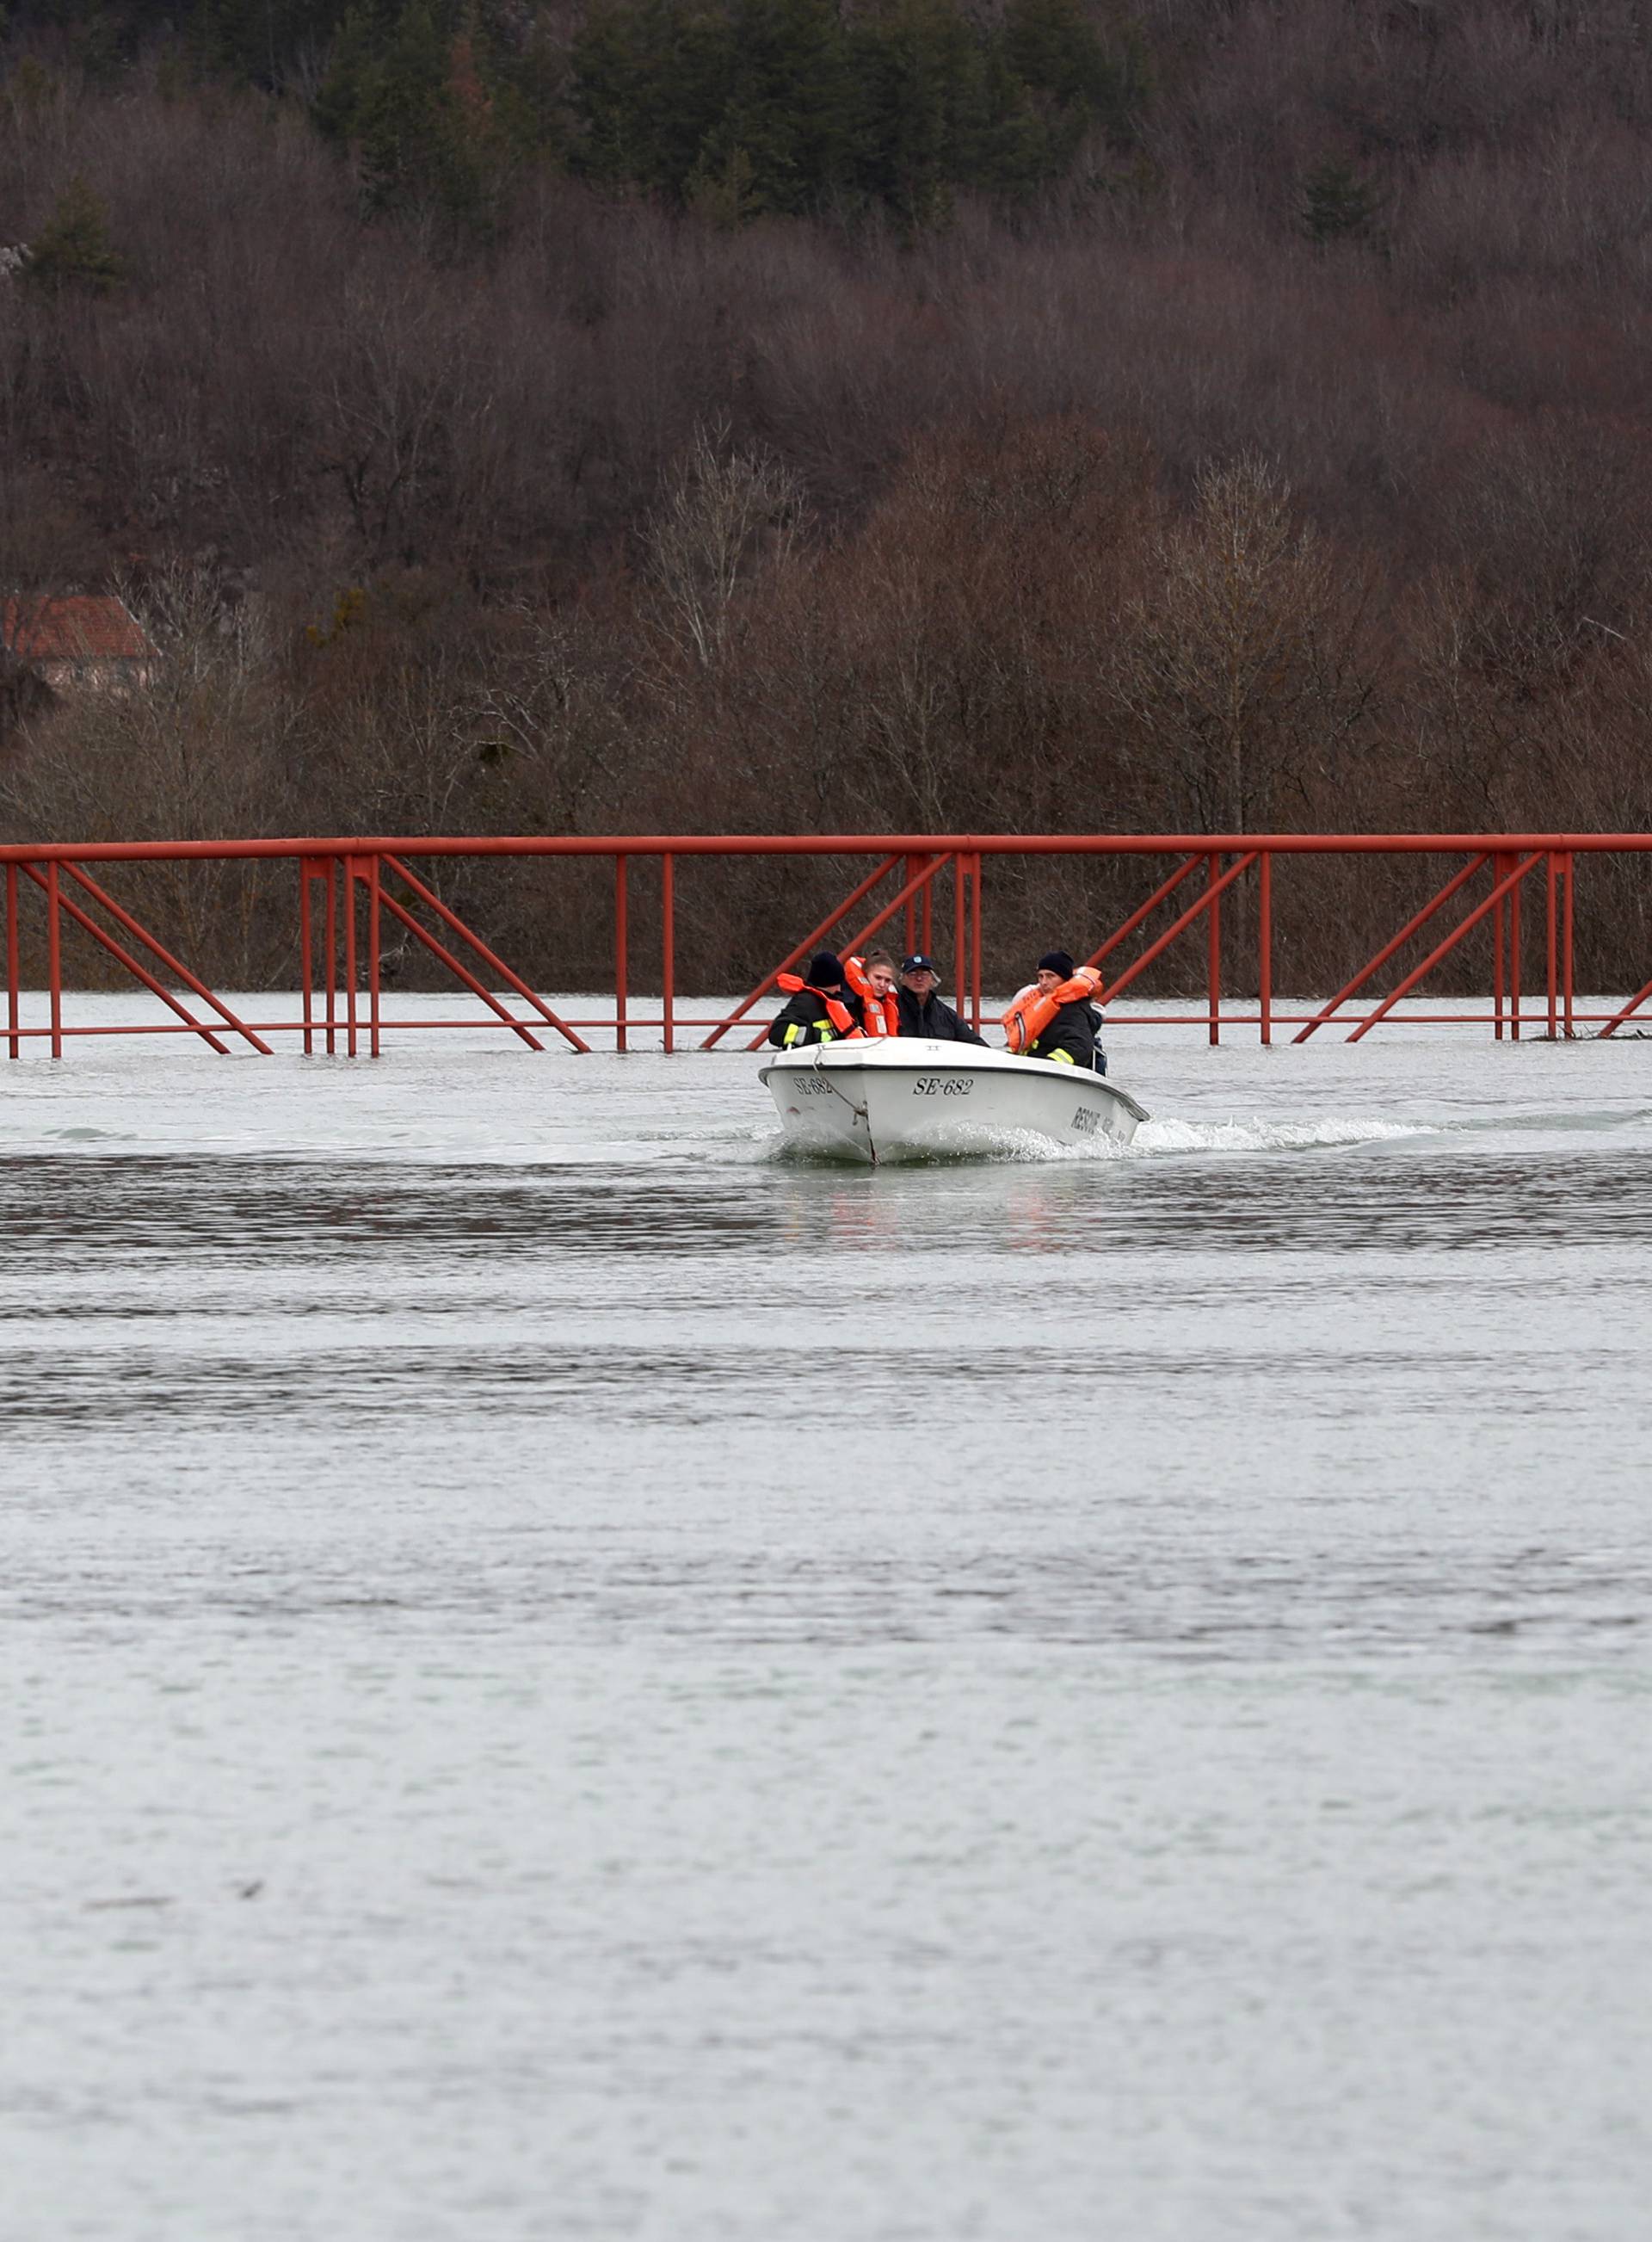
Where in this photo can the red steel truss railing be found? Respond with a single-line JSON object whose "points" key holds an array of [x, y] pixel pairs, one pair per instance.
{"points": [[345, 889]]}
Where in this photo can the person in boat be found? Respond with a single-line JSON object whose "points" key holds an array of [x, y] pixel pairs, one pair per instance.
{"points": [[1056, 1017], [871, 980], [881, 970], [922, 1012], [819, 1008]]}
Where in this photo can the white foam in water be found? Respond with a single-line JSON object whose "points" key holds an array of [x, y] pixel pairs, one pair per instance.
{"points": [[1257, 1135], [1153, 1138]]}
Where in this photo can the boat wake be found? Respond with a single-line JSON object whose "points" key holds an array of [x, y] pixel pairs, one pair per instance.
{"points": [[1328, 1133], [1153, 1139]]}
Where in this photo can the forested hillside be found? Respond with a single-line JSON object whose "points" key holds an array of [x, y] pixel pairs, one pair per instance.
{"points": [[778, 414]]}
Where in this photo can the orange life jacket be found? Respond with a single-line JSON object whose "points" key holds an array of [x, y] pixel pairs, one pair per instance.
{"points": [[1032, 1008], [841, 1017], [881, 1014]]}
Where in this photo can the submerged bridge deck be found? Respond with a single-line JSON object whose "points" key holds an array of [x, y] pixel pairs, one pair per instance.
{"points": [[1519, 886]]}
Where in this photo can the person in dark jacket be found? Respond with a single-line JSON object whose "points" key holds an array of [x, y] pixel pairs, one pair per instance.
{"points": [[821, 1011], [922, 1012], [1070, 1037]]}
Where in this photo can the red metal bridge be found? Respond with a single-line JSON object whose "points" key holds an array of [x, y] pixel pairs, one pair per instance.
{"points": [[345, 890]]}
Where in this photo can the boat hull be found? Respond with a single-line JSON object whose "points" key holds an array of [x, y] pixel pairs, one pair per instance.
{"points": [[910, 1099]]}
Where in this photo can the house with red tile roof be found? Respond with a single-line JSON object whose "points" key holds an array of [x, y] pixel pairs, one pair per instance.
{"points": [[78, 640]]}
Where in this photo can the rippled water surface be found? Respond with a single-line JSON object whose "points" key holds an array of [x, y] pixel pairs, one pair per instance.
{"points": [[565, 1675]]}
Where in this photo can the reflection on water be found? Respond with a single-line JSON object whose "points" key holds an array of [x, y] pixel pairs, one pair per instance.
{"points": [[578, 1679]]}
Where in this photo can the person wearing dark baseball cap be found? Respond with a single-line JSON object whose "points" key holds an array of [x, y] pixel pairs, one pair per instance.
{"points": [[922, 1012]]}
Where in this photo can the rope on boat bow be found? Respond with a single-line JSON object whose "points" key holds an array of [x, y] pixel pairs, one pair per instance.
{"points": [[859, 1111]]}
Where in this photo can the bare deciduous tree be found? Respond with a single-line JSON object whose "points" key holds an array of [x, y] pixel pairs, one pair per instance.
{"points": [[725, 510], [1238, 662]]}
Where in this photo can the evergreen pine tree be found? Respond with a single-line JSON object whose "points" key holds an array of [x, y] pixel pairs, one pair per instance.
{"points": [[344, 93], [1336, 204], [73, 249], [1080, 80], [537, 87], [402, 112], [651, 83], [723, 194], [738, 107], [787, 103], [484, 133], [1051, 45], [927, 105], [102, 44], [258, 41]]}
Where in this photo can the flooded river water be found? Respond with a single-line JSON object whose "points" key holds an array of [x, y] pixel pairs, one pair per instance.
{"points": [[566, 1675]]}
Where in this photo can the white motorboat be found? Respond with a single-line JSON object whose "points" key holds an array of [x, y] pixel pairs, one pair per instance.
{"points": [[910, 1099]]}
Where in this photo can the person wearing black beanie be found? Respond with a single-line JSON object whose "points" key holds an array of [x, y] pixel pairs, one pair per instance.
{"points": [[1070, 1038], [824, 1010]]}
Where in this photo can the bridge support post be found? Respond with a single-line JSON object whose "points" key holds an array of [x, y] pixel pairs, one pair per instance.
{"points": [[1265, 945], [13, 976], [55, 958], [1213, 942], [668, 949]]}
